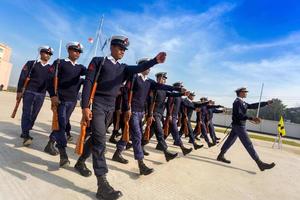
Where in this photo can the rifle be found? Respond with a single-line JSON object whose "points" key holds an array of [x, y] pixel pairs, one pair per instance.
{"points": [[179, 119], [26, 82], [185, 123], [84, 124], [55, 123], [125, 136], [149, 119], [198, 126], [167, 121]]}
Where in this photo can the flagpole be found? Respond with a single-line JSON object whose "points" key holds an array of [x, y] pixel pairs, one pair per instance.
{"points": [[261, 91], [98, 35]]}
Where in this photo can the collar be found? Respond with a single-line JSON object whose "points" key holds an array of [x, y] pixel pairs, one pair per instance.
{"points": [[40, 61], [73, 63], [142, 76], [240, 98], [112, 59], [189, 100]]}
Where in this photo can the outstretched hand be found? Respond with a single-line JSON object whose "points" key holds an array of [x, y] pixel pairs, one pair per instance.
{"points": [[161, 57]]}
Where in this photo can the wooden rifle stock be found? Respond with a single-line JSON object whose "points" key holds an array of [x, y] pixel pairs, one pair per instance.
{"points": [[84, 123], [125, 136], [19, 99], [149, 121], [55, 123], [168, 121], [118, 115]]}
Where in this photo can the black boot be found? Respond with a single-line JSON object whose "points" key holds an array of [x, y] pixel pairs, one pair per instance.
{"points": [[144, 151], [112, 139], [209, 144], [105, 191], [221, 158], [144, 170], [185, 150], [119, 158], [27, 141], [262, 166], [169, 156], [159, 147], [50, 149], [69, 137], [80, 166], [64, 161], [197, 146], [128, 145]]}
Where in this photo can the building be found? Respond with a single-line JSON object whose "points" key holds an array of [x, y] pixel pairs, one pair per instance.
{"points": [[5, 65]]}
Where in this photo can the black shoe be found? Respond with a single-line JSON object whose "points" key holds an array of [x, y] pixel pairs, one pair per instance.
{"points": [[197, 146], [176, 144], [262, 166], [82, 169], [128, 145], [145, 152], [217, 138], [169, 156], [119, 158], [159, 147], [105, 191], [27, 141], [64, 161], [221, 158], [190, 141], [117, 134], [113, 140], [210, 144], [144, 170], [185, 150], [50, 149], [196, 138], [69, 138]]}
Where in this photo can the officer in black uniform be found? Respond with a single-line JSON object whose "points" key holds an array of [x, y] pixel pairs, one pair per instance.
{"points": [[112, 75], [33, 99], [69, 73], [239, 118]]}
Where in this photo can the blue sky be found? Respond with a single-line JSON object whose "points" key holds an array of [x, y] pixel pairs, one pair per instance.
{"points": [[213, 46]]}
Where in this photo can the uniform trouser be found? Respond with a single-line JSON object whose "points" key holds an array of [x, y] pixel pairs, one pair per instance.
{"points": [[96, 143], [190, 130], [204, 132], [239, 131], [212, 131], [175, 132], [68, 128], [32, 104], [158, 130], [136, 132], [65, 109]]}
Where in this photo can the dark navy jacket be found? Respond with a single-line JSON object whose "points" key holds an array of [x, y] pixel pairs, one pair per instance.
{"points": [[69, 80], [110, 79], [239, 111], [39, 77]]}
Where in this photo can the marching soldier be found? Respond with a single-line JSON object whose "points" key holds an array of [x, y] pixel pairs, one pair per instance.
{"points": [[34, 95], [159, 102], [187, 108], [141, 88], [239, 118], [69, 72], [173, 105], [212, 108], [111, 77]]}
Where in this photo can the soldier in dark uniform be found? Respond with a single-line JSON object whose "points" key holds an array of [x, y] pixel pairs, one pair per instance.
{"points": [[39, 73], [187, 109], [69, 72], [141, 88], [173, 108], [159, 108], [211, 110], [239, 118], [112, 75]]}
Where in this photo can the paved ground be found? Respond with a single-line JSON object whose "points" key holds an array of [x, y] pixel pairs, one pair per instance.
{"points": [[29, 173]]}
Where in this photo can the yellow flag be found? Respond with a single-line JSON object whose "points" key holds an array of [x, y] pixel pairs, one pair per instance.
{"points": [[281, 128]]}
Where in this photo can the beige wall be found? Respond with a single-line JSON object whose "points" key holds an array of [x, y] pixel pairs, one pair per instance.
{"points": [[5, 65]]}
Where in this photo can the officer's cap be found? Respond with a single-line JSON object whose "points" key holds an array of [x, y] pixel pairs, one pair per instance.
{"points": [[178, 84], [161, 74], [142, 60], [119, 40], [192, 94], [203, 99], [241, 89], [46, 49], [75, 46]]}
